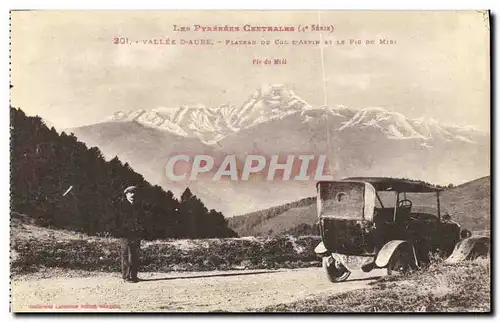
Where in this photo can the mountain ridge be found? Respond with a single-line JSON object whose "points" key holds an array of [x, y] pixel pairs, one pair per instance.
{"points": [[277, 101]]}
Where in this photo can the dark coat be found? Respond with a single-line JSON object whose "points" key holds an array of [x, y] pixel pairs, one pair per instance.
{"points": [[131, 223]]}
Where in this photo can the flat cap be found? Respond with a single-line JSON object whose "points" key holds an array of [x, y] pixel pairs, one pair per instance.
{"points": [[129, 189]]}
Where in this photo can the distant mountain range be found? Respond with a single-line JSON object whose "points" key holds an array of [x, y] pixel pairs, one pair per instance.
{"points": [[210, 125], [358, 142]]}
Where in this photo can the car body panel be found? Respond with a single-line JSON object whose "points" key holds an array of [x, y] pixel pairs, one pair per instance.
{"points": [[386, 252], [320, 249]]}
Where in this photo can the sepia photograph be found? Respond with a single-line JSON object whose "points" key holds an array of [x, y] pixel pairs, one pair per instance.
{"points": [[244, 161]]}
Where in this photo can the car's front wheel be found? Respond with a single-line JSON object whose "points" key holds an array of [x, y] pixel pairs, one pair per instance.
{"points": [[399, 264], [335, 271]]}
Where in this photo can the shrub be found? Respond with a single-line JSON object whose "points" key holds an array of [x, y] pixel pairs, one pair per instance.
{"points": [[103, 254]]}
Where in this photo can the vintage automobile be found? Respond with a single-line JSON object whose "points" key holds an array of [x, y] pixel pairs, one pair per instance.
{"points": [[368, 223]]}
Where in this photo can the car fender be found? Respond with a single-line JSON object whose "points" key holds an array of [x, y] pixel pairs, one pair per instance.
{"points": [[469, 248], [386, 252], [320, 249]]}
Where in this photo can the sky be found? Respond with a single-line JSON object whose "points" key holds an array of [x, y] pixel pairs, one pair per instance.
{"points": [[66, 68]]}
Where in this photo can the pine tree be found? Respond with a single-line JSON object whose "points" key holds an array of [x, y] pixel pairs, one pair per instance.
{"points": [[62, 183]]}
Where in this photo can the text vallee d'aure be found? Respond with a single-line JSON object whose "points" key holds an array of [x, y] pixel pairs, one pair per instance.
{"points": [[274, 167]]}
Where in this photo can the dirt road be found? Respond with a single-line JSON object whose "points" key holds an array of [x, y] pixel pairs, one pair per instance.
{"points": [[194, 291]]}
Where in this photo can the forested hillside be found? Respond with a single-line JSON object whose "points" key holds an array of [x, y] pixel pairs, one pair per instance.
{"points": [[245, 225], [62, 183]]}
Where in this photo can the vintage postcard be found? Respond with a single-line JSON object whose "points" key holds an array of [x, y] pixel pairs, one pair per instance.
{"points": [[250, 161]]}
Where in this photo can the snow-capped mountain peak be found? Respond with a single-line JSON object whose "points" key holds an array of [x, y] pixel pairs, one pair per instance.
{"points": [[271, 102], [211, 124], [393, 124]]}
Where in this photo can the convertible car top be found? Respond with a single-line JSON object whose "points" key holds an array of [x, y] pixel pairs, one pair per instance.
{"points": [[399, 185]]}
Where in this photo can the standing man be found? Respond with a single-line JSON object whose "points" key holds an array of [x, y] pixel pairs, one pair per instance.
{"points": [[131, 236]]}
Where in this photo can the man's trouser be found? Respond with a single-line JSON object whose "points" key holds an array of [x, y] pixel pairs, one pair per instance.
{"points": [[130, 257]]}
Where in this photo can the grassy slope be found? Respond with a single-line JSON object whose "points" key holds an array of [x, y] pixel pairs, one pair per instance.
{"points": [[468, 204], [23, 229], [35, 249], [289, 219], [245, 224], [463, 287]]}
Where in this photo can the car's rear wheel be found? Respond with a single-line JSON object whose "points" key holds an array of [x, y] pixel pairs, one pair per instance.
{"points": [[336, 272], [399, 264]]}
